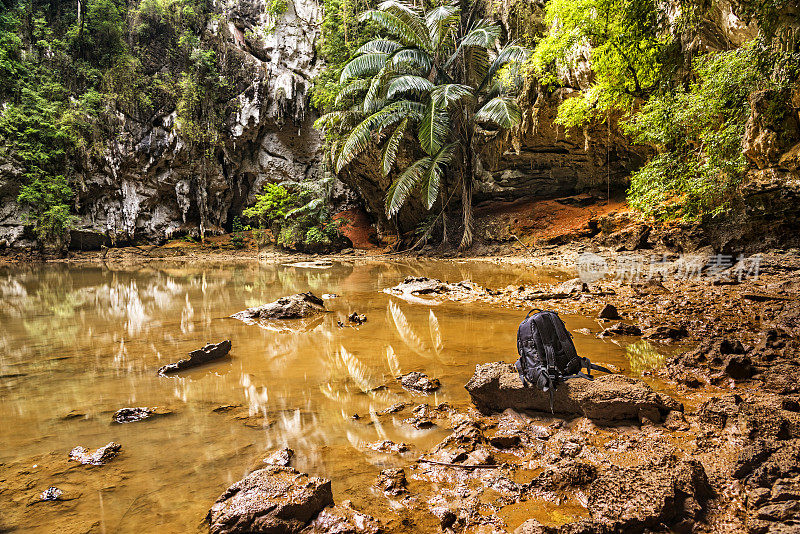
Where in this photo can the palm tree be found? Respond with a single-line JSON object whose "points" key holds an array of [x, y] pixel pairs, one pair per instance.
{"points": [[439, 74]]}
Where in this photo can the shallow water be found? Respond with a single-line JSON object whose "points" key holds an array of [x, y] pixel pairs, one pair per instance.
{"points": [[89, 340]]}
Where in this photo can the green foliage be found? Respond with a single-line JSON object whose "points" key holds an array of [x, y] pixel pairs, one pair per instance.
{"points": [[697, 132], [272, 205], [433, 76], [627, 41]]}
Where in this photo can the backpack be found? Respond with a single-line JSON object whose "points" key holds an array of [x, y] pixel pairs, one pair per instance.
{"points": [[547, 355]]}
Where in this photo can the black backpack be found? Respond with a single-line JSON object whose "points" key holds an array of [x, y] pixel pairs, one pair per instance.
{"points": [[547, 355]]}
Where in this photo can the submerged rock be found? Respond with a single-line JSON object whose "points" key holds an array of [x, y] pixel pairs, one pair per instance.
{"points": [[497, 386], [281, 457], [197, 357], [51, 494], [274, 499], [357, 318], [298, 306], [412, 287], [622, 329], [131, 415], [392, 481], [99, 457], [419, 382]]}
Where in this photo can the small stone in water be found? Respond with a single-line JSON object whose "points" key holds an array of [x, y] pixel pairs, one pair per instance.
{"points": [[357, 318], [51, 494]]}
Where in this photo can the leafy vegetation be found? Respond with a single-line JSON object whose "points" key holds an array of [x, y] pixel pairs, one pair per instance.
{"points": [[435, 77], [691, 111], [298, 212]]}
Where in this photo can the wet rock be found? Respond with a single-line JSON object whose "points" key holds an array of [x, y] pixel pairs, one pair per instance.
{"points": [[571, 449], [274, 499], [388, 446], [622, 329], [281, 457], [298, 306], [357, 318], [394, 408], [506, 440], [496, 386], [665, 333], [197, 357], [413, 287], [343, 519], [609, 311], [101, 456], [73, 414], [419, 382], [51, 494], [666, 490], [717, 411], [329, 296], [576, 285], [419, 422], [392, 481], [675, 420], [131, 415], [568, 474]]}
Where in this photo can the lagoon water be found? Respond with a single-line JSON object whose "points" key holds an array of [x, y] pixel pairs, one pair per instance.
{"points": [[78, 343]]}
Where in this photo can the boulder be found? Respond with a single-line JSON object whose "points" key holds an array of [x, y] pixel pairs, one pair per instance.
{"points": [[497, 386], [274, 499], [622, 329], [198, 357], [298, 306]]}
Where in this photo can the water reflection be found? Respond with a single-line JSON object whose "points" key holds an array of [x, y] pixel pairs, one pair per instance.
{"points": [[91, 339], [644, 356]]}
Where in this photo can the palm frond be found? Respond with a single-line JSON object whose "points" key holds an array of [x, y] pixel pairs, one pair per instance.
{"points": [[434, 127], [500, 111], [477, 63], [440, 20], [408, 84], [401, 188], [483, 34], [409, 34], [510, 54], [375, 98], [351, 90], [433, 177], [452, 93], [378, 46], [390, 148], [360, 137], [362, 66], [412, 61]]}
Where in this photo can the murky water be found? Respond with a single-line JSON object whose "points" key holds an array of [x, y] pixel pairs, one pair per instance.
{"points": [[79, 343]]}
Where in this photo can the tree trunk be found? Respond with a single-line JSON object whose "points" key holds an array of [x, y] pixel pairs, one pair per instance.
{"points": [[466, 198], [443, 200]]}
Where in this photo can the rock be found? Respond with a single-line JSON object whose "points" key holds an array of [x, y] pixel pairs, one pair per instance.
{"points": [[392, 481], [412, 287], [576, 285], [622, 329], [394, 408], [298, 306], [99, 457], [665, 333], [675, 420], [197, 357], [357, 318], [131, 415], [281, 457], [609, 311], [343, 519], [496, 386], [389, 446], [51, 494], [419, 382], [273, 499], [571, 449], [666, 490], [329, 296]]}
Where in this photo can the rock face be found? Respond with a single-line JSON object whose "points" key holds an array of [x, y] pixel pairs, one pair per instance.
{"points": [[144, 184], [497, 386], [197, 357], [273, 499], [298, 306]]}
